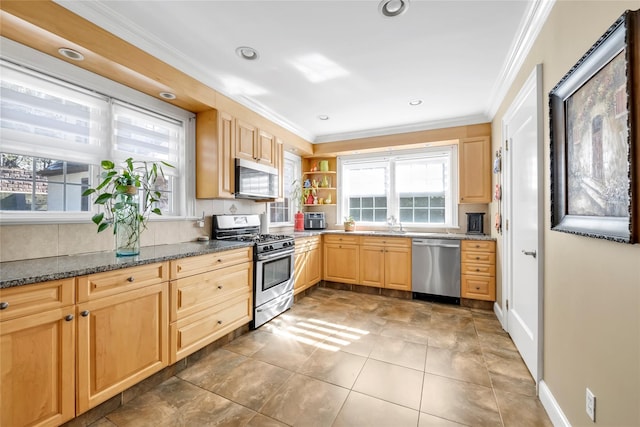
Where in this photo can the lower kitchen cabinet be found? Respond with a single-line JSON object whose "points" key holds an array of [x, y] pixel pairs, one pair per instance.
{"points": [[341, 258], [308, 263], [385, 262], [37, 354], [122, 339], [478, 270], [211, 295]]}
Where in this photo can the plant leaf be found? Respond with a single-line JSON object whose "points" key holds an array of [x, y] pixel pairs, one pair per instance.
{"points": [[103, 198], [129, 162], [88, 191], [104, 183], [103, 226], [157, 211], [97, 218], [107, 164]]}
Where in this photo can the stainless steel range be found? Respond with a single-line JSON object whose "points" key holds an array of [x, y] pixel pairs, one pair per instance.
{"points": [[273, 256]]}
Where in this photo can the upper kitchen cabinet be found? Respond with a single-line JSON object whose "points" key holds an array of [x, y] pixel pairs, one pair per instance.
{"points": [[475, 170], [319, 179], [215, 138], [254, 144]]}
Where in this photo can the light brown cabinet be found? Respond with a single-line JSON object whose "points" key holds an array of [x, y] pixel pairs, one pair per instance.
{"points": [[215, 149], [254, 144], [211, 295], [307, 263], [37, 354], [326, 181], [475, 170], [385, 262], [478, 269], [341, 258], [123, 330]]}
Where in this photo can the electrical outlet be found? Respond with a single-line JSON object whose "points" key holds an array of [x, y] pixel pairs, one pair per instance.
{"points": [[591, 405]]}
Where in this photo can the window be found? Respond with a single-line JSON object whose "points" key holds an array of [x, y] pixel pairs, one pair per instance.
{"points": [[416, 187], [282, 212], [55, 134]]}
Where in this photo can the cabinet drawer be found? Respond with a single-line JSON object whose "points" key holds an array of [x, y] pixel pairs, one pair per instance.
{"points": [[479, 245], [478, 287], [194, 293], [114, 282], [341, 238], [194, 332], [478, 257], [386, 241], [478, 269], [37, 298], [201, 264]]}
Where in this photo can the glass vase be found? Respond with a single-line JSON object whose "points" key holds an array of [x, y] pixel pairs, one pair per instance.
{"points": [[126, 223]]}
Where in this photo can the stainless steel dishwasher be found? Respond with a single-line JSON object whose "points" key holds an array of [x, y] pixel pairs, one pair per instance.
{"points": [[435, 271]]}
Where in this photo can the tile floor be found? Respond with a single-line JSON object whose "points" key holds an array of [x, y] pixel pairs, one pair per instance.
{"points": [[340, 358]]}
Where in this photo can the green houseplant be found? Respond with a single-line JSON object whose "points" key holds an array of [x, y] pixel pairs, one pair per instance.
{"points": [[349, 223], [119, 195]]}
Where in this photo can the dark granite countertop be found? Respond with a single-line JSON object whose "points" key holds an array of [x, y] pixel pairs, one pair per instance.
{"points": [[410, 234], [17, 273]]}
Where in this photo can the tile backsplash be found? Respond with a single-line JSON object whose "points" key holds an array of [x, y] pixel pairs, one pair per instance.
{"points": [[46, 240]]}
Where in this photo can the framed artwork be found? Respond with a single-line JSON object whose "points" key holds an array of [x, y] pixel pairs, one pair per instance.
{"points": [[594, 114]]}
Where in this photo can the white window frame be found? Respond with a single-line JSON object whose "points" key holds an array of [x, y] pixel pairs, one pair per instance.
{"points": [[392, 194], [184, 188], [294, 206]]}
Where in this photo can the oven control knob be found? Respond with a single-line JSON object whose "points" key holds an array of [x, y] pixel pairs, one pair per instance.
{"points": [[270, 247]]}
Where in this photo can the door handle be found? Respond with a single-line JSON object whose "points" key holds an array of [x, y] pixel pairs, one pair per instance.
{"points": [[532, 253]]}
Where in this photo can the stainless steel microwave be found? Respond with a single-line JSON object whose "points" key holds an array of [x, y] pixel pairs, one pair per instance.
{"points": [[255, 180]]}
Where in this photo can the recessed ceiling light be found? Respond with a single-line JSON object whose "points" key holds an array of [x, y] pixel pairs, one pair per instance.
{"points": [[323, 117], [391, 8], [415, 102], [248, 53], [167, 95], [71, 54]]}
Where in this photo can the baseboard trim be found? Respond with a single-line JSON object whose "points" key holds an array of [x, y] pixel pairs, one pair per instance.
{"points": [[497, 310], [551, 406]]}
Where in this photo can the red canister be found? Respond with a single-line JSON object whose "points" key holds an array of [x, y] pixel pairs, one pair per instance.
{"points": [[299, 222]]}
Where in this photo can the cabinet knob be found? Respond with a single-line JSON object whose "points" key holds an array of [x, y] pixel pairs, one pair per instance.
{"points": [[477, 288], [477, 257], [219, 259], [4, 305], [219, 322], [477, 269], [130, 279], [220, 287], [84, 313], [179, 268], [68, 317]]}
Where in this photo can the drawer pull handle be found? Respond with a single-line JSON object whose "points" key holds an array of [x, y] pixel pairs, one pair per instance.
{"points": [[219, 259], [219, 322], [477, 288], [477, 257], [84, 313], [4, 305], [220, 287], [477, 269], [130, 279], [179, 268], [68, 317]]}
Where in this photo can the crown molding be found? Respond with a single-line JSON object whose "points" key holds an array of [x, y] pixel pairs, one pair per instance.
{"points": [[530, 28]]}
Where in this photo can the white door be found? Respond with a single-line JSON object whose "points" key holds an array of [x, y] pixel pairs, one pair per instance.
{"points": [[522, 289]]}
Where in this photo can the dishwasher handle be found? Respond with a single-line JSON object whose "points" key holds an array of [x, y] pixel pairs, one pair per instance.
{"points": [[426, 242]]}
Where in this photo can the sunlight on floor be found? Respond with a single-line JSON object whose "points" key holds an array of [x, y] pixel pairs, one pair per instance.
{"points": [[315, 332]]}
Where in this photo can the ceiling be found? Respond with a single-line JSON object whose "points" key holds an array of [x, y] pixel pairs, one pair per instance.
{"points": [[342, 59]]}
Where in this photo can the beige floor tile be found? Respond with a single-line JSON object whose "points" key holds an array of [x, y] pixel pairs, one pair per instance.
{"points": [[363, 410], [305, 401], [455, 340], [496, 340], [519, 411], [251, 383], [249, 343], [393, 383], [335, 367], [462, 366], [399, 352], [289, 351], [405, 331], [211, 370], [260, 420], [459, 401], [427, 420], [102, 422], [362, 346]]}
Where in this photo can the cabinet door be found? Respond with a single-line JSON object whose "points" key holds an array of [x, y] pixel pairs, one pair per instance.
{"points": [[215, 145], [299, 271], [397, 261], [226, 146], [266, 149], [122, 339], [314, 264], [37, 363], [341, 263], [279, 164], [475, 170], [372, 266], [246, 135]]}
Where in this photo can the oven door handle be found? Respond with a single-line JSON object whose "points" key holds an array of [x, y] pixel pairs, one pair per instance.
{"points": [[282, 254]]}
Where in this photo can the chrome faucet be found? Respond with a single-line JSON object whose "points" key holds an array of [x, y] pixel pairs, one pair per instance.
{"points": [[392, 222]]}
